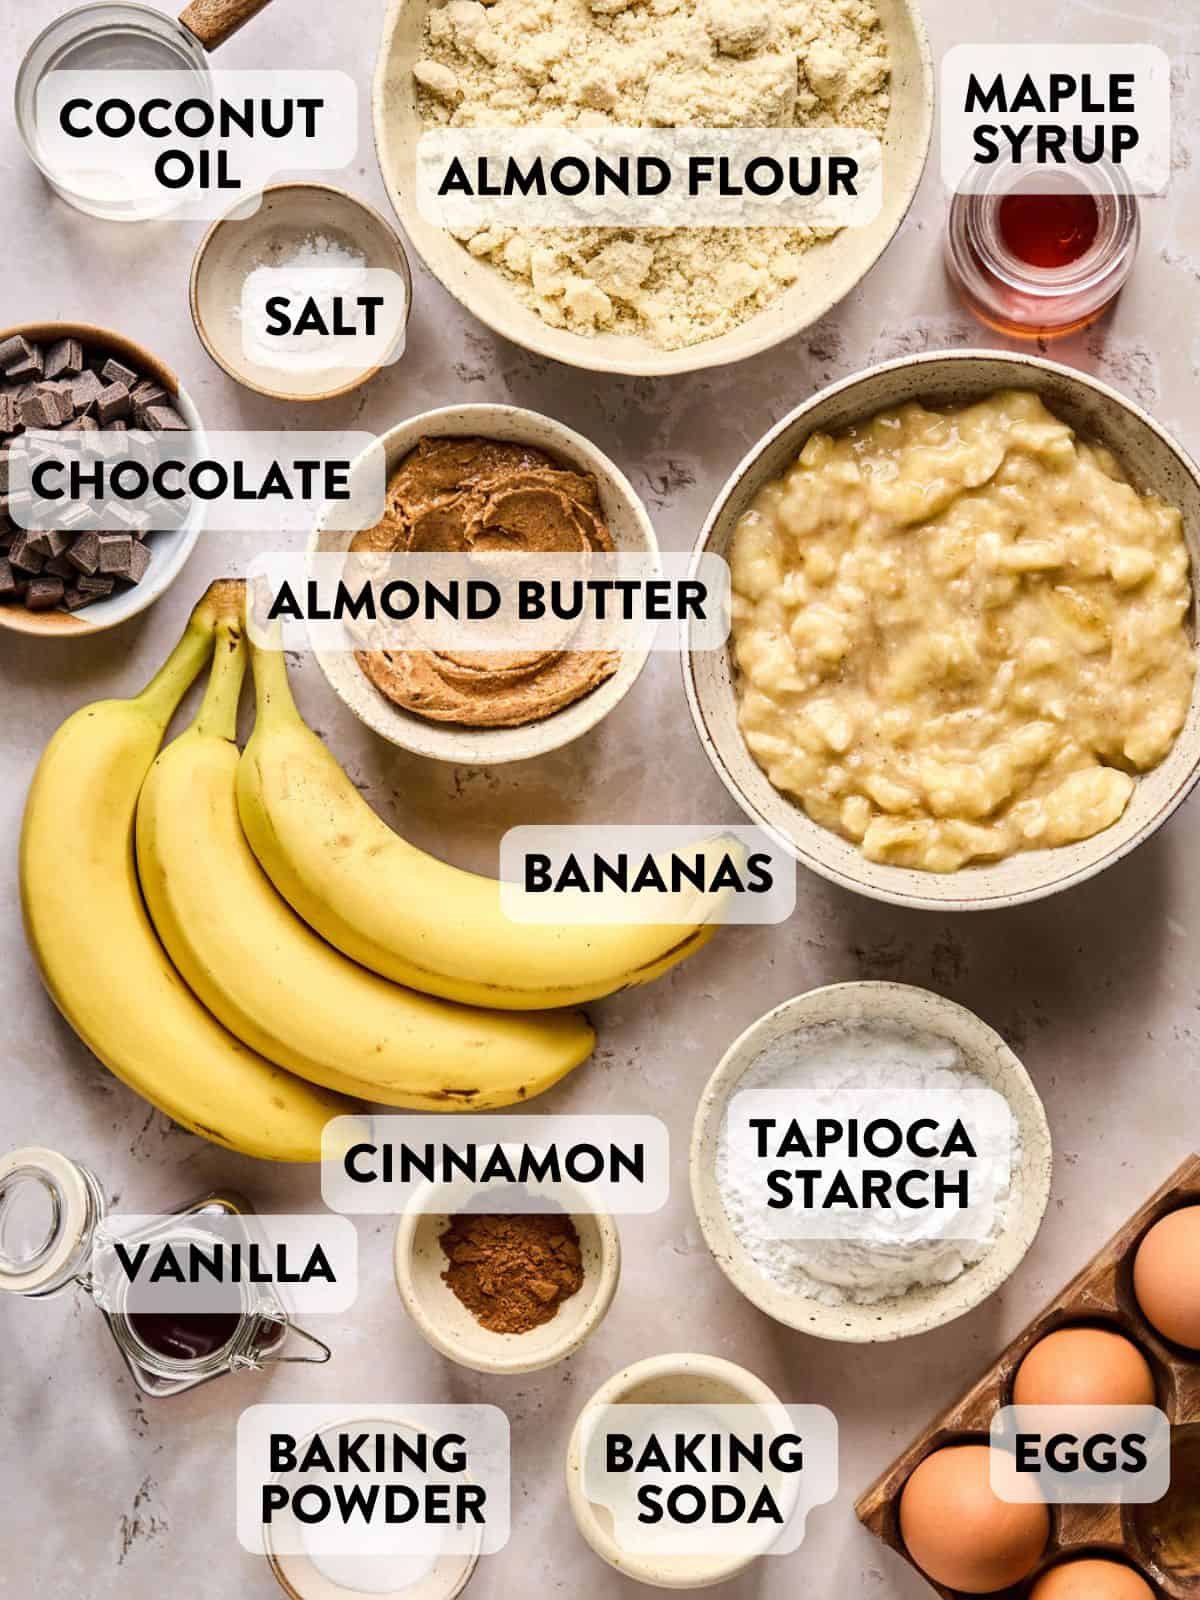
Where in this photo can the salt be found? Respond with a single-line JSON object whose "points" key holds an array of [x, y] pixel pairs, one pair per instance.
{"points": [[322, 269]]}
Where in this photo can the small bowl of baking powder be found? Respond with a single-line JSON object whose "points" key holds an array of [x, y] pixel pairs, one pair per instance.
{"points": [[873, 1238]]}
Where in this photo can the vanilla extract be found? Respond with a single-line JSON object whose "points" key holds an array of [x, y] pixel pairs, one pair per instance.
{"points": [[53, 1215]]}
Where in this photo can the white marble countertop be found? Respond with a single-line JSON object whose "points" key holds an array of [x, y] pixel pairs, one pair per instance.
{"points": [[107, 1495]]}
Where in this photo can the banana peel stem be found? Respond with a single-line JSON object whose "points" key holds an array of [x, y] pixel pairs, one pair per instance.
{"points": [[161, 696], [272, 691], [218, 713]]}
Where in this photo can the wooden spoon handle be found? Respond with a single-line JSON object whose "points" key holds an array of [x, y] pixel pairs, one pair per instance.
{"points": [[214, 21]]}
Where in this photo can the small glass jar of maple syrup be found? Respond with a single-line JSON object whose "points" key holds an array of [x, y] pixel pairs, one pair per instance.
{"points": [[51, 1209], [1039, 252]]}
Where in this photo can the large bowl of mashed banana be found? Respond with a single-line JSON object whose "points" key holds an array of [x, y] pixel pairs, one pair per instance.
{"points": [[962, 665]]}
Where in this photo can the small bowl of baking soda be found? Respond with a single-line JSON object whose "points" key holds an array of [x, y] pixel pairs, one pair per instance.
{"points": [[302, 293], [869, 1161]]}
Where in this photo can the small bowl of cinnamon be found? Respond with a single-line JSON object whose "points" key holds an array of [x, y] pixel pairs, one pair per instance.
{"points": [[505, 1292]]}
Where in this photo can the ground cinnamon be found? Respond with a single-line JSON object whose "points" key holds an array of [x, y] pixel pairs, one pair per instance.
{"points": [[512, 1272]]}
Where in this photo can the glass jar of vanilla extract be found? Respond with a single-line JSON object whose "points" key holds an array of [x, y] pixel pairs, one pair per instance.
{"points": [[51, 1210]]}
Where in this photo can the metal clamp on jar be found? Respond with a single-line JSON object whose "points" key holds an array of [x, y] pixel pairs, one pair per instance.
{"points": [[50, 1211]]}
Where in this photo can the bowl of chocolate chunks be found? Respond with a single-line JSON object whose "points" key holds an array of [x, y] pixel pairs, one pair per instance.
{"points": [[72, 385]]}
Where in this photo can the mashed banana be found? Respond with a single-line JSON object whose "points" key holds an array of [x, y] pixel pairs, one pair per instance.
{"points": [[960, 634]]}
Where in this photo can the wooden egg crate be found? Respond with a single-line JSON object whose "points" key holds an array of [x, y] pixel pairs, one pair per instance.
{"points": [[1162, 1541]]}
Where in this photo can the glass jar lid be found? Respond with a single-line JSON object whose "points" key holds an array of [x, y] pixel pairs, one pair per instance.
{"points": [[49, 1208]]}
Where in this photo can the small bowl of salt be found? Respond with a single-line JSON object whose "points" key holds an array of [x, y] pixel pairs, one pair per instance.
{"points": [[302, 292], [869, 1161]]}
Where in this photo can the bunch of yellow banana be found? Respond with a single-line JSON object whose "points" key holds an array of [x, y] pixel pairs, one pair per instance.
{"points": [[98, 954], [276, 984], [409, 916], [284, 916]]}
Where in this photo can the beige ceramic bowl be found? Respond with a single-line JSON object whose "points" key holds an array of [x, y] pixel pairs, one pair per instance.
{"points": [[631, 530], [985, 1053], [453, 1331], [1154, 462], [670, 1380], [828, 272], [169, 550], [289, 214], [301, 1578]]}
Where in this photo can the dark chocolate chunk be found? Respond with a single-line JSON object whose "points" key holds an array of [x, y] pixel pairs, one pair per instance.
{"points": [[116, 553], [139, 563], [111, 441], [45, 408], [8, 582], [126, 519], [165, 419], [18, 348], [54, 542], [74, 517], [112, 404], [75, 599], [147, 394], [169, 514], [85, 553], [30, 366], [59, 567], [64, 358], [43, 594], [114, 371], [23, 557], [99, 588], [86, 389]]}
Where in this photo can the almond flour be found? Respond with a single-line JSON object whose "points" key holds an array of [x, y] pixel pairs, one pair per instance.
{"points": [[652, 63]]}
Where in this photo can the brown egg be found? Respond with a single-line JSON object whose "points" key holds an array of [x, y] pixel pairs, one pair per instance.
{"points": [[1091, 1580], [1166, 1277], [959, 1532], [1084, 1367]]}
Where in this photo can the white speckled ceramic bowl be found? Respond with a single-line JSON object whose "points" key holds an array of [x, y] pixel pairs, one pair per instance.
{"points": [[985, 1053], [1154, 462], [631, 529], [453, 1331], [672, 1380], [169, 551], [827, 273], [289, 214]]}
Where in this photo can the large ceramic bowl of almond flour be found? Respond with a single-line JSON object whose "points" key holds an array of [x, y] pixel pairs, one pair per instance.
{"points": [[898, 1050], [679, 300]]}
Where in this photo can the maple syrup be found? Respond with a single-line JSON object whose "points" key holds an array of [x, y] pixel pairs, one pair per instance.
{"points": [[1048, 230], [1041, 252]]}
